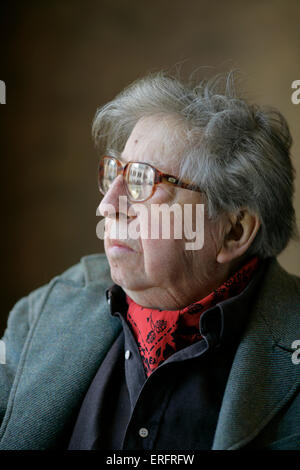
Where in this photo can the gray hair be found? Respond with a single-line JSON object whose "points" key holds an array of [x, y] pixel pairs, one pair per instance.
{"points": [[238, 153]]}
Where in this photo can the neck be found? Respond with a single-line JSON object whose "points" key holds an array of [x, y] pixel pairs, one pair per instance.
{"points": [[178, 296]]}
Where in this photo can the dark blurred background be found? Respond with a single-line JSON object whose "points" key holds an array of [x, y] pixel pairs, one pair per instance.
{"points": [[63, 59]]}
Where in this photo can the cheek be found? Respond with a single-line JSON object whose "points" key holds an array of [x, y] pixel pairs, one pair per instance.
{"points": [[163, 253], [163, 258]]}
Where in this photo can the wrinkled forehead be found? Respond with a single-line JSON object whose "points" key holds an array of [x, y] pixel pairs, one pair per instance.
{"points": [[158, 140]]}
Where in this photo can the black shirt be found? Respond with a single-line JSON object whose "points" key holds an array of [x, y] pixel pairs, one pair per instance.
{"points": [[177, 406]]}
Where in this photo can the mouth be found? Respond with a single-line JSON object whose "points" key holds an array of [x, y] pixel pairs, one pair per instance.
{"points": [[115, 246]]}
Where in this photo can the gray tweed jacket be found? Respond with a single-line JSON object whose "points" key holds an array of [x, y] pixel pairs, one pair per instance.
{"points": [[57, 337]]}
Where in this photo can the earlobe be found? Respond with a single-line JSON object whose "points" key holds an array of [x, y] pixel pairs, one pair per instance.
{"points": [[239, 236]]}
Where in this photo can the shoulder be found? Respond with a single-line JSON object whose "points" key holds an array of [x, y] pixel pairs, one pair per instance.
{"points": [[88, 279], [276, 273], [90, 269], [280, 287], [278, 302], [91, 273]]}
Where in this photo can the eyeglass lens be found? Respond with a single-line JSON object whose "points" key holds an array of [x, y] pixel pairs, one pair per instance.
{"points": [[108, 172], [139, 178]]}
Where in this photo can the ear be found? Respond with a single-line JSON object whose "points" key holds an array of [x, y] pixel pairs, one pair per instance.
{"points": [[239, 234]]}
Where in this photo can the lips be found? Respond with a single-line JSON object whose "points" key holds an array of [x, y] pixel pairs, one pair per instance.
{"points": [[117, 238], [120, 245]]}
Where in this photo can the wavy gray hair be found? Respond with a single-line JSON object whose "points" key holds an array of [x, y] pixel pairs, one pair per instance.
{"points": [[238, 153]]}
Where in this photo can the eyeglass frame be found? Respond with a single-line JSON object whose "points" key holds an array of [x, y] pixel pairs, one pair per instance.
{"points": [[159, 177]]}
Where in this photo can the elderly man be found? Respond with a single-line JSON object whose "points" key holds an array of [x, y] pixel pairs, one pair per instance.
{"points": [[169, 345]]}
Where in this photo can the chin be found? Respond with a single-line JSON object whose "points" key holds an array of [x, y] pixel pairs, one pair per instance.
{"points": [[127, 278]]}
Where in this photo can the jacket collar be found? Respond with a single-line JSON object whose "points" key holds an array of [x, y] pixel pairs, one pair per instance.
{"points": [[263, 376]]}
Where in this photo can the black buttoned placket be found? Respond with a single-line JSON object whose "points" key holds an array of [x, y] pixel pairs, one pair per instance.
{"points": [[150, 397]]}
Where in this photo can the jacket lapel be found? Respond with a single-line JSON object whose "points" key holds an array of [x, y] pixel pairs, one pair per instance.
{"points": [[263, 376]]}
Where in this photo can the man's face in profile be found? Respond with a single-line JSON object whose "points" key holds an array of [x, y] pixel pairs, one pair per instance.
{"points": [[145, 263]]}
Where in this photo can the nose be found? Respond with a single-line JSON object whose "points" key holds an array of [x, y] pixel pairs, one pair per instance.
{"points": [[111, 205]]}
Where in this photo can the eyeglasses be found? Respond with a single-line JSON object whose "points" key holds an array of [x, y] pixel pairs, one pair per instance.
{"points": [[140, 178]]}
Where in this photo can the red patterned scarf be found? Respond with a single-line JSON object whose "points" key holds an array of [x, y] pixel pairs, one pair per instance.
{"points": [[160, 333]]}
